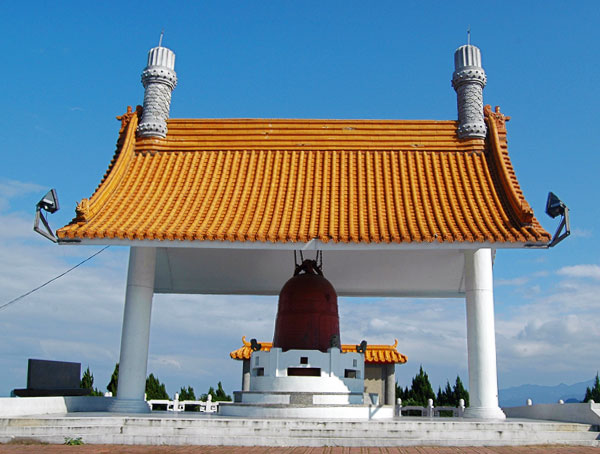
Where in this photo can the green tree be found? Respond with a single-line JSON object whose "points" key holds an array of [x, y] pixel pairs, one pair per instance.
{"points": [[221, 395], [459, 392], [187, 393], [593, 393], [445, 397], [155, 390], [218, 395], [87, 382], [114, 381], [401, 393], [420, 391]]}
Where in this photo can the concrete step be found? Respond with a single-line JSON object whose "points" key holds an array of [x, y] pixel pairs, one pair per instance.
{"points": [[404, 424], [241, 432], [289, 442], [400, 432], [167, 420]]}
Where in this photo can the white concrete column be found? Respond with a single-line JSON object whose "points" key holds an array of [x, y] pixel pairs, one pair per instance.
{"points": [[136, 331], [390, 384], [246, 375], [481, 336]]}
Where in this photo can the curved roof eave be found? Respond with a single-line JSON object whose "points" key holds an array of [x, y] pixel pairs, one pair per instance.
{"points": [[301, 184]]}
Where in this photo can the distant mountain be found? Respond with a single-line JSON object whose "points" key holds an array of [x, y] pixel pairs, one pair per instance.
{"points": [[518, 395]]}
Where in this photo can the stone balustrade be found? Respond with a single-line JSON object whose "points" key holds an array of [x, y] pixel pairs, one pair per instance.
{"points": [[177, 405], [429, 411]]}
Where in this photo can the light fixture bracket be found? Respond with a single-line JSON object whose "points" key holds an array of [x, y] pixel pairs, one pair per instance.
{"points": [[49, 203], [554, 208]]}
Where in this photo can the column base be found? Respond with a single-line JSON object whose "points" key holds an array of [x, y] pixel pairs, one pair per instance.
{"points": [[484, 413], [129, 406]]}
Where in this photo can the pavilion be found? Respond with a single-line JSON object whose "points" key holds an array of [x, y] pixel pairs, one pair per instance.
{"points": [[400, 208]]}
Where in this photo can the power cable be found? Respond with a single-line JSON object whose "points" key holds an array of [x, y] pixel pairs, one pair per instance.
{"points": [[5, 305]]}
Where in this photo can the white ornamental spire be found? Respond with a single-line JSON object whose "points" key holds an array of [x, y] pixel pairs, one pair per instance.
{"points": [[468, 80], [159, 80]]}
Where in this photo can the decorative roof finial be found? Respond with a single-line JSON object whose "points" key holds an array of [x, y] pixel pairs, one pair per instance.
{"points": [[468, 80], [468, 36], [159, 80]]}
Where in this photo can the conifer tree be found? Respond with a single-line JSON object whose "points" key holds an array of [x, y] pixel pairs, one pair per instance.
{"points": [[400, 392], [593, 393], [445, 397], [439, 397], [221, 395], [114, 381], [187, 393], [155, 390], [217, 396], [421, 390], [459, 392], [87, 382]]}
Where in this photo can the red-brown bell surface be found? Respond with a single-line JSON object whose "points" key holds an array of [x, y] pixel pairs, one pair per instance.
{"points": [[307, 314]]}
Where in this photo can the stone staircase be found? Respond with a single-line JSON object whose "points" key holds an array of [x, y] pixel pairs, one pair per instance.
{"points": [[189, 430]]}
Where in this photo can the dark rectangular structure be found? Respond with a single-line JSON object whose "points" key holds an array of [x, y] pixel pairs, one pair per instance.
{"points": [[44, 374], [52, 378]]}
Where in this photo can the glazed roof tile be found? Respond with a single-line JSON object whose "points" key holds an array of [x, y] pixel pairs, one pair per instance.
{"points": [[349, 181], [375, 354]]}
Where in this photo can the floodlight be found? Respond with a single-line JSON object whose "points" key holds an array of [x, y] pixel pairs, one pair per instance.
{"points": [[555, 207], [50, 204]]}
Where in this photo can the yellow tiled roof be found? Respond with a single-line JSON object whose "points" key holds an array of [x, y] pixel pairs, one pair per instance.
{"points": [[358, 181], [375, 354]]}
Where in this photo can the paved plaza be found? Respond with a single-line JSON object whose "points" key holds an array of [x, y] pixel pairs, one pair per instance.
{"points": [[126, 449]]}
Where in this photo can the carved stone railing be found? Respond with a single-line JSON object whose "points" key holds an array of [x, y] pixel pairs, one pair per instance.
{"points": [[180, 405], [429, 411]]}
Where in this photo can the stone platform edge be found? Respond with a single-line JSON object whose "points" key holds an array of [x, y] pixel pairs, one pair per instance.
{"points": [[31, 406], [583, 413]]}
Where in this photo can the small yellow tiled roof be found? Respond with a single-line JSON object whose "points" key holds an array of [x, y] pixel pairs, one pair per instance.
{"points": [[375, 354], [352, 181]]}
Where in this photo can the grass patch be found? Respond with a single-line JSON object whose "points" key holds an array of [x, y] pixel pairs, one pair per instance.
{"points": [[73, 441]]}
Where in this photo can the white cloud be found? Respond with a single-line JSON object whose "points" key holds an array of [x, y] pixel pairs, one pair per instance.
{"points": [[429, 332], [15, 226], [75, 318], [519, 280], [554, 336], [515, 281], [581, 271], [164, 361], [10, 189], [581, 233]]}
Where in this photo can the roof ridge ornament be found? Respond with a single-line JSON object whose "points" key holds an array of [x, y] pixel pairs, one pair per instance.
{"points": [[498, 117], [82, 210], [127, 116], [468, 81]]}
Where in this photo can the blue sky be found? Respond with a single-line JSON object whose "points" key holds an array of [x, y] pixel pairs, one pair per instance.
{"points": [[69, 68]]}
